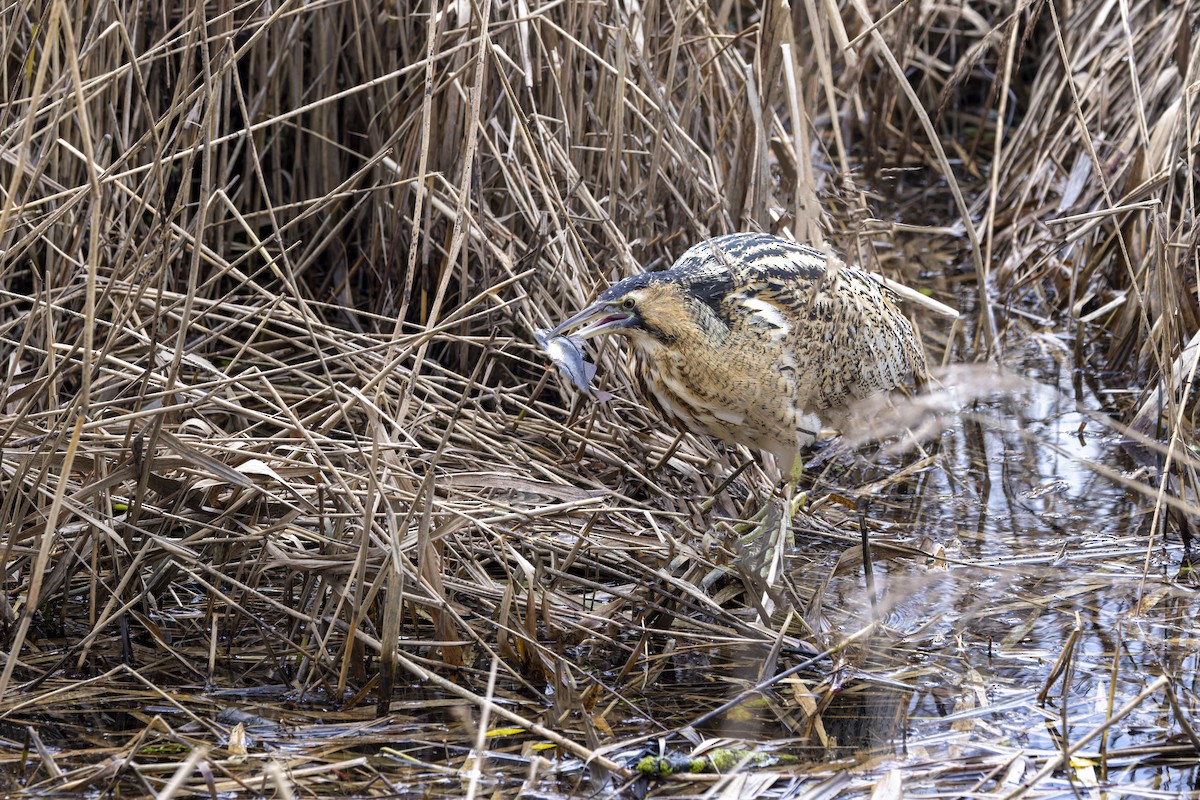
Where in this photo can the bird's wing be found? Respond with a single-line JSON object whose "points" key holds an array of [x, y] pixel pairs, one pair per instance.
{"points": [[779, 286], [839, 326]]}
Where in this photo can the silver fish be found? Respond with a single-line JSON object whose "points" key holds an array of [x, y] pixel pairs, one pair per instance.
{"points": [[566, 353]]}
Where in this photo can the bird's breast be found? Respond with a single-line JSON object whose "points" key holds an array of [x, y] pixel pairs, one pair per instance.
{"points": [[741, 390]]}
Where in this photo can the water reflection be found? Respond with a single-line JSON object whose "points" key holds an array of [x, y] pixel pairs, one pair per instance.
{"points": [[1031, 637]]}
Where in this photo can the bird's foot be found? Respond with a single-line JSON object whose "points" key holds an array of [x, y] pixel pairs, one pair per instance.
{"points": [[762, 542]]}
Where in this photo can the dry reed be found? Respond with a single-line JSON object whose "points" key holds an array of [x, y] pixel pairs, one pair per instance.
{"points": [[272, 419]]}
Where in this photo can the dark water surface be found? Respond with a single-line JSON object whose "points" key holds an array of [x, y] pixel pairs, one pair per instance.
{"points": [[1055, 607]]}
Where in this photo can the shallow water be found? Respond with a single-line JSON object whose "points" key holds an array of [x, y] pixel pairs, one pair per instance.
{"points": [[1054, 608], [1048, 609]]}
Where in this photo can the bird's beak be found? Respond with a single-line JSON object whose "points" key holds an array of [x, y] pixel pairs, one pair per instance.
{"points": [[600, 317]]}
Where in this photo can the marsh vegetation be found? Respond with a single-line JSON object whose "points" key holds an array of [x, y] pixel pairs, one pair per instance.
{"points": [[292, 505]]}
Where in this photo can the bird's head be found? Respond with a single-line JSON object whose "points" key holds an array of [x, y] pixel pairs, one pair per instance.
{"points": [[651, 308]]}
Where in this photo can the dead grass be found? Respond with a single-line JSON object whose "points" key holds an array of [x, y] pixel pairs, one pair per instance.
{"points": [[273, 424]]}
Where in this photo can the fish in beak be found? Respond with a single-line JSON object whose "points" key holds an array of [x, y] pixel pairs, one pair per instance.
{"points": [[612, 311], [566, 353]]}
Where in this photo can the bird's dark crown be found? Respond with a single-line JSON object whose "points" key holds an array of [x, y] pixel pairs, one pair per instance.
{"points": [[703, 285]]}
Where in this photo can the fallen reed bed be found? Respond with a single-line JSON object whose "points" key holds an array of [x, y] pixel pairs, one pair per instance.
{"points": [[291, 503]]}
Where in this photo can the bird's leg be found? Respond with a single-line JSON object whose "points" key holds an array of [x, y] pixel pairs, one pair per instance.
{"points": [[794, 499]]}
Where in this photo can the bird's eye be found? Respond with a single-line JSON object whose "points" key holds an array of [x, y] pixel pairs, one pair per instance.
{"points": [[628, 303]]}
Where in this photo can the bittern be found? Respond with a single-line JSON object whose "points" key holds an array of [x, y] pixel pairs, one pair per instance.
{"points": [[757, 341]]}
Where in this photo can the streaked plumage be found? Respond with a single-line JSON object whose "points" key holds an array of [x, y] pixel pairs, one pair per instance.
{"points": [[758, 341]]}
